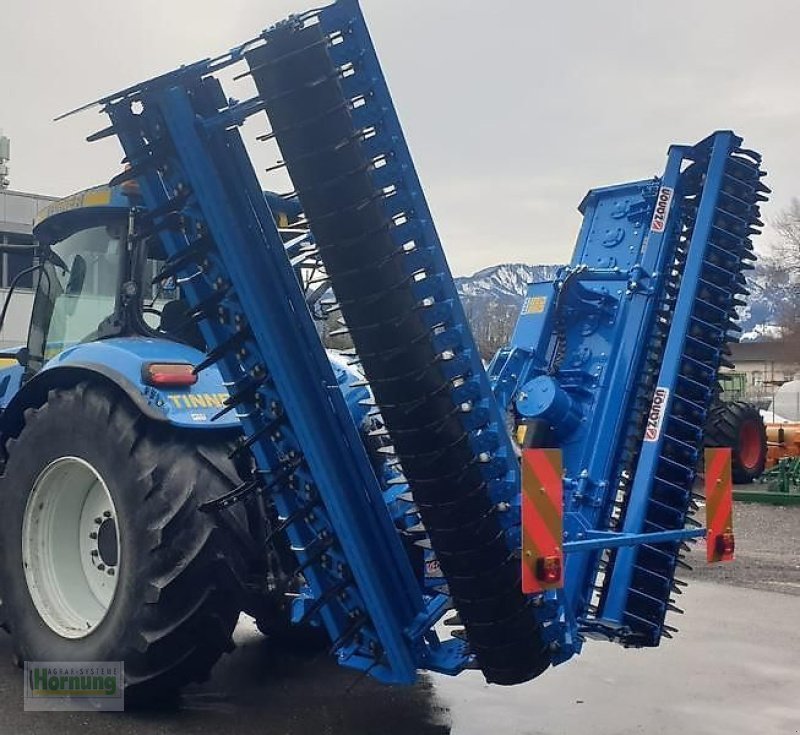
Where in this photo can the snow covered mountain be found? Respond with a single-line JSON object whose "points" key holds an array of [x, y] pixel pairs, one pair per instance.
{"points": [[492, 298], [759, 318], [508, 281]]}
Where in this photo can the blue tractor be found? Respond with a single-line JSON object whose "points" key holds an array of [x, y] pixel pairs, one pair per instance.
{"points": [[134, 435], [180, 446]]}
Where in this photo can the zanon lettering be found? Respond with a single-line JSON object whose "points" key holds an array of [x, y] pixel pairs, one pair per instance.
{"points": [[663, 203], [656, 416]]}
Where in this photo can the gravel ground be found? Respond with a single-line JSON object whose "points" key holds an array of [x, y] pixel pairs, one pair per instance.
{"points": [[767, 550]]}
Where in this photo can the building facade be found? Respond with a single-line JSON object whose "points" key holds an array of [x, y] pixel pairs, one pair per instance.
{"points": [[17, 211], [760, 369]]}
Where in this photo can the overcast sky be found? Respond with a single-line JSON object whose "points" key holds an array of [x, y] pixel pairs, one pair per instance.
{"points": [[512, 108]]}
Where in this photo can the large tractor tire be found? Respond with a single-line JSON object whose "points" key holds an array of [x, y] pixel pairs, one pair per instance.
{"points": [[739, 425], [104, 554]]}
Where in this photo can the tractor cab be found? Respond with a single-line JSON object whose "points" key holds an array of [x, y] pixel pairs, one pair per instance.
{"points": [[98, 282], [106, 307], [86, 267]]}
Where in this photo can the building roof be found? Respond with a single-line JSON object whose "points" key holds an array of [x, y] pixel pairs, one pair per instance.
{"points": [[766, 351], [18, 208]]}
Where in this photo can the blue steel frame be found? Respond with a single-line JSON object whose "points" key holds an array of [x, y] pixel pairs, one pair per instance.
{"points": [[722, 144], [596, 322], [632, 260], [227, 203]]}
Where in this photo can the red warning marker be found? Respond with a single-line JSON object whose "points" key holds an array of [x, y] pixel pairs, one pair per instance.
{"points": [[542, 520], [720, 542]]}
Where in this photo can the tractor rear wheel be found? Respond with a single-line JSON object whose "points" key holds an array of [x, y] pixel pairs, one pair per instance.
{"points": [[739, 425], [104, 553]]}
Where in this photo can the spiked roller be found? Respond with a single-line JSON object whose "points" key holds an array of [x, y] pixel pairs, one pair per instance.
{"points": [[333, 119]]}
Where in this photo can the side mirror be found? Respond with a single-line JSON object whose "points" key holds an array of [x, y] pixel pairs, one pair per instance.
{"points": [[45, 252], [74, 287], [23, 356], [77, 276]]}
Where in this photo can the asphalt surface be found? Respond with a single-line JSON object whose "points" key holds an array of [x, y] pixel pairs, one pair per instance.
{"points": [[733, 668], [767, 550]]}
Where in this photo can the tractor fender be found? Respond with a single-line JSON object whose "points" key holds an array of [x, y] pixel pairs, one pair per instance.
{"points": [[118, 363], [121, 363], [34, 392]]}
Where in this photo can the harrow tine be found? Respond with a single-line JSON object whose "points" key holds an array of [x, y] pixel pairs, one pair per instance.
{"points": [[358, 623], [324, 599]]}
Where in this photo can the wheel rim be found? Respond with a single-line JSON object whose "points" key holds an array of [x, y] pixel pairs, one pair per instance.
{"points": [[70, 547], [749, 445]]}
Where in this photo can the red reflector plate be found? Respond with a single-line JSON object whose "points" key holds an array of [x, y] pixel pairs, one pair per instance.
{"points": [[719, 505], [542, 520]]}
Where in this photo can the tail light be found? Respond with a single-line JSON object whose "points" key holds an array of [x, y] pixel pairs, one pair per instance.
{"points": [[168, 375], [720, 543], [542, 515], [548, 569], [725, 544]]}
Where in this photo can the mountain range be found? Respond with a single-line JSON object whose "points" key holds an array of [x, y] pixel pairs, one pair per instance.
{"points": [[492, 299]]}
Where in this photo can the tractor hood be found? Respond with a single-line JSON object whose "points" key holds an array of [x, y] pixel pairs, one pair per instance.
{"points": [[124, 360]]}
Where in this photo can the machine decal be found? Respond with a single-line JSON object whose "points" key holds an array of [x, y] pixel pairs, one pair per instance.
{"points": [[656, 417], [100, 196], [663, 203], [535, 305], [197, 400]]}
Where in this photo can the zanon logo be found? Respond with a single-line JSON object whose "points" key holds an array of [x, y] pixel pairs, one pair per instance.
{"points": [[663, 203], [656, 417]]}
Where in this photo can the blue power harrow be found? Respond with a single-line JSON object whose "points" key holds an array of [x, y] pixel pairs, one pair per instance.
{"points": [[615, 362]]}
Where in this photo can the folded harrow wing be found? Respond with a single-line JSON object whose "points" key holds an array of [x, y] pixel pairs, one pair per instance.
{"points": [[614, 364]]}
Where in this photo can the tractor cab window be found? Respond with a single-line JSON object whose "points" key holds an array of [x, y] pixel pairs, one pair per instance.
{"points": [[164, 309], [73, 304], [157, 293]]}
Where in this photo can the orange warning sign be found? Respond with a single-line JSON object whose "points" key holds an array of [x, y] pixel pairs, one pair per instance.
{"points": [[542, 520], [719, 505]]}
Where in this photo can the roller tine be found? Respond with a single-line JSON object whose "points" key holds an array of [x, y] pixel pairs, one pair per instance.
{"points": [[301, 512], [245, 444], [357, 624], [100, 134], [325, 598], [222, 349], [319, 548], [174, 265]]}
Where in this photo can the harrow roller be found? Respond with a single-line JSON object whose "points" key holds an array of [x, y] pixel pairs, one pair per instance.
{"points": [[718, 225], [280, 380], [339, 136]]}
